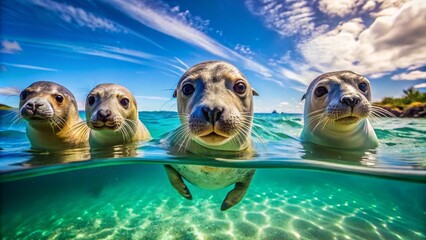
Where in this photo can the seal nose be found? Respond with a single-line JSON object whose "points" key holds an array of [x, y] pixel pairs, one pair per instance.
{"points": [[103, 114], [351, 101], [212, 115], [33, 106]]}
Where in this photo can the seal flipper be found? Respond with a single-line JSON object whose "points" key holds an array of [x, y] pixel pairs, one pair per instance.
{"points": [[177, 182], [236, 195]]}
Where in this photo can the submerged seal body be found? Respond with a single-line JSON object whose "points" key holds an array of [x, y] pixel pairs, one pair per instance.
{"points": [[112, 115], [215, 105], [51, 113], [337, 105]]}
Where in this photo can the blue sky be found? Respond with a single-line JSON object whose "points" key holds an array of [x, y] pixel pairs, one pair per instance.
{"points": [[279, 45]]}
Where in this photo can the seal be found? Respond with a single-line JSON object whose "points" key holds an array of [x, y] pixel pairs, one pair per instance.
{"points": [[215, 106], [112, 115], [336, 112], [52, 118]]}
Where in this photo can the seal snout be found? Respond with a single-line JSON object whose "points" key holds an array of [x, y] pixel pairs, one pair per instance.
{"points": [[103, 115], [37, 109], [351, 100], [104, 118], [212, 115], [212, 124]]}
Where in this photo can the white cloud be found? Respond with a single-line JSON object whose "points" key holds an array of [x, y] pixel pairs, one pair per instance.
{"points": [[10, 47], [31, 67], [420, 85], [164, 22], [244, 50], [285, 17], [108, 55], [414, 75], [368, 6], [187, 18], [8, 91], [381, 47], [74, 15], [339, 8], [105, 51]]}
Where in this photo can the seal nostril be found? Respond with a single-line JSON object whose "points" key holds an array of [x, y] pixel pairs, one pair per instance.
{"points": [[206, 111], [217, 113], [39, 105], [30, 105]]}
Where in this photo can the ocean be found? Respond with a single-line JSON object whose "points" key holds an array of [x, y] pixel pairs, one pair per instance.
{"points": [[299, 191]]}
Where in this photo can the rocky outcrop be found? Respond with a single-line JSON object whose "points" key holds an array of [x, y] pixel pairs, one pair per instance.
{"points": [[415, 109]]}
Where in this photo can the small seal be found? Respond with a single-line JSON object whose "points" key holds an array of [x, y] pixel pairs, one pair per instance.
{"points": [[112, 115], [51, 113], [336, 110], [215, 106]]}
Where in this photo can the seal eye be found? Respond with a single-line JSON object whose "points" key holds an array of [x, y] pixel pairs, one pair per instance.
{"points": [[188, 89], [24, 94], [320, 91], [240, 88], [124, 102], [363, 86], [91, 100], [59, 98]]}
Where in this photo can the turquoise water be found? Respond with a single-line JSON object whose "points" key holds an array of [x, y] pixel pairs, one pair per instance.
{"points": [[298, 191]]}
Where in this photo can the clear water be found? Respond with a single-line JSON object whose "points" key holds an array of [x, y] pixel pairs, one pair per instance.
{"points": [[298, 191]]}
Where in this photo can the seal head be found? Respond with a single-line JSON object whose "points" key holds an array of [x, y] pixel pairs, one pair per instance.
{"points": [[112, 115], [215, 105], [336, 110], [51, 113]]}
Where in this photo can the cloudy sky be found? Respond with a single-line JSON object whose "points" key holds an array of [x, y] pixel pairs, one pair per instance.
{"points": [[279, 45]]}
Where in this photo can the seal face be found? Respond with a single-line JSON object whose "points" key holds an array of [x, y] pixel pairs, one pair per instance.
{"points": [[336, 110], [112, 115], [51, 113], [215, 106]]}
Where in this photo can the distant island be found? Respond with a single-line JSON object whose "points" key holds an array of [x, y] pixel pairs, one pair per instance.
{"points": [[5, 107], [412, 104]]}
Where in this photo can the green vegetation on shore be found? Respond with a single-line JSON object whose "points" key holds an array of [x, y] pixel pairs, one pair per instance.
{"points": [[412, 104], [5, 107]]}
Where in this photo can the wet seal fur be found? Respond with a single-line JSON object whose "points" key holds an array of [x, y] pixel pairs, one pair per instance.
{"points": [[112, 115], [337, 105], [51, 113], [215, 106]]}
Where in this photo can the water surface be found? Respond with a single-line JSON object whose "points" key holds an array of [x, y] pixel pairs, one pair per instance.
{"points": [[299, 191]]}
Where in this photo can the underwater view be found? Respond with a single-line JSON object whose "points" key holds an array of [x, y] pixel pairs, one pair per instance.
{"points": [[298, 191]]}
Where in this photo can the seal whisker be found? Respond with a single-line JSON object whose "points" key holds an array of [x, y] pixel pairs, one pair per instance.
{"points": [[319, 123], [124, 133], [16, 118], [381, 111], [79, 130], [321, 110], [129, 129], [315, 118]]}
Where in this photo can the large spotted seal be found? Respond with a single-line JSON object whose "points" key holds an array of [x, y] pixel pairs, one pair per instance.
{"points": [[112, 115], [51, 113], [215, 105], [336, 110]]}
